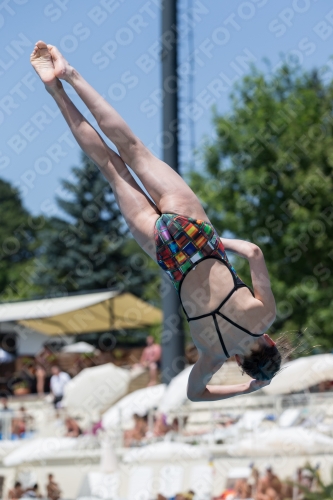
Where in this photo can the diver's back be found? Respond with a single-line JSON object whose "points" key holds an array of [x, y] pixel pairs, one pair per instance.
{"points": [[220, 313]]}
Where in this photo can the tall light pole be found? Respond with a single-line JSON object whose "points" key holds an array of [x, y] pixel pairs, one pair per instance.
{"points": [[173, 341]]}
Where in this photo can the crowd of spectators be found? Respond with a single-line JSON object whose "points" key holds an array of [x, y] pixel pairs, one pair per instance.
{"points": [[52, 490], [18, 424], [42, 375], [142, 430], [270, 487], [257, 487], [262, 487]]}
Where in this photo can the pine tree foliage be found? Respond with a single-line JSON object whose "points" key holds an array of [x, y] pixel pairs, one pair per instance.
{"points": [[88, 250], [18, 237]]}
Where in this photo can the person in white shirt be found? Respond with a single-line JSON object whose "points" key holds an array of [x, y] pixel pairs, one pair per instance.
{"points": [[58, 382]]}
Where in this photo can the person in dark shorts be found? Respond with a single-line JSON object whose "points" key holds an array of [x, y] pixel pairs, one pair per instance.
{"points": [[58, 382]]}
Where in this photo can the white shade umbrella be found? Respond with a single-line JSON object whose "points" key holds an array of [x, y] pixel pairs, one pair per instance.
{"points": [[39, 449], [166, 451], [302, 373], [139, 402], [96, 389], [7, 447], [79, 347], [176, 392], [293, 441]]}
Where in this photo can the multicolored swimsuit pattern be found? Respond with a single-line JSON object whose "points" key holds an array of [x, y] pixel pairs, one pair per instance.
{"points": [[181, 243]]}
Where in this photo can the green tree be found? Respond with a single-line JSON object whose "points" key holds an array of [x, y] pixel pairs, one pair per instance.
{"points": [[18, 247], [88, 250], [268, 179]]}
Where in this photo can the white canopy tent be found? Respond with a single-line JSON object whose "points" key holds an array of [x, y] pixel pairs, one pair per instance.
{"points": [[166, 451], [85, 313], [45, 308], [282, 442], [39, 449]]}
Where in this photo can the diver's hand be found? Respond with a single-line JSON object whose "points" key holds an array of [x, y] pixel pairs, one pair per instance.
{"points": [[256, 385]]}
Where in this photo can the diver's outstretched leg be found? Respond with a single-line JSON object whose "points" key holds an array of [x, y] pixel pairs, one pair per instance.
{"points": [[138, 211], [168, 190]]}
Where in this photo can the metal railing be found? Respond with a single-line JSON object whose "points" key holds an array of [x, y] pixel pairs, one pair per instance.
{"points": [[206, 417]]}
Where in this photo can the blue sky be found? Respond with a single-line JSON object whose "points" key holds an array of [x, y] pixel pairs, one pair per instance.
{"points": [[113, 43]]}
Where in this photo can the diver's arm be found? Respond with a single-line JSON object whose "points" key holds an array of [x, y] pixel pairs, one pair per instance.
{"points": [[261, 282], [259, 273], [218, 392], [199, 390], [243, 248]]}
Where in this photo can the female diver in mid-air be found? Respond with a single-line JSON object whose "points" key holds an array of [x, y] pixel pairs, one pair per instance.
{"points": [[226, 317]]}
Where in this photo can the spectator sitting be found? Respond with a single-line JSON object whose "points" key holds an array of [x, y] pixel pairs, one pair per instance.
{"points": [[265, 491], [150, 358], [20, 421], [287, 491], [26, 417], [304, 478], [58, 382], [72, 427], [135, 435], [16, 492], [307, 479], [242, 489], [161, 428], [18, 427], [273, 481], [33, 492], [52, 489]]}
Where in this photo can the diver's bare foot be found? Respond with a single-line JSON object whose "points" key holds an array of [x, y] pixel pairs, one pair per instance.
{"points": [[41, 60], [62, 68]]}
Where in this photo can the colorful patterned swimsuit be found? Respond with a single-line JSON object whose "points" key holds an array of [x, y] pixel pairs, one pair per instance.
{"points": [[183, 242]]}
